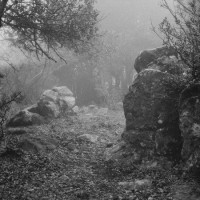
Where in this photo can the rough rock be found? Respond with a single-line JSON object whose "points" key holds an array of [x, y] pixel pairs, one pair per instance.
{"points": [[190, 126], [148, 56], [25, 118], [151, 102], [151, 105], [168, 142], [60, 96], [51, 104], [142, 143]]}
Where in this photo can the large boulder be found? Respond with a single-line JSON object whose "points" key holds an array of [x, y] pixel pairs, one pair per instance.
{"points": [[148, 56], [51, 104], [152, 105], [56, 101], [190, 126], [151, 102]]}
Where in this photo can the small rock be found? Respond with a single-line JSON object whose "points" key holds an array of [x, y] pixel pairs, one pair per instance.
{"points": [[75, 109], [142, 184], [91, 138]]}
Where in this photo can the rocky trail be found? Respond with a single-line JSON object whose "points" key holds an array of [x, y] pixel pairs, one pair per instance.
{"points": [[68, 162]]}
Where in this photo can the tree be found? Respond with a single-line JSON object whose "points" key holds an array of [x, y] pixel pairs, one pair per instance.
{"points": [[44, 26], [184, 33]]}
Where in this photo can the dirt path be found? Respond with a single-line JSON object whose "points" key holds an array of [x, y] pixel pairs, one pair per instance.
{"points": [[76, 168]]}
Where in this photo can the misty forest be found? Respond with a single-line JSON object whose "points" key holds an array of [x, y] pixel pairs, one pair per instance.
{"points": [[99, 99]]}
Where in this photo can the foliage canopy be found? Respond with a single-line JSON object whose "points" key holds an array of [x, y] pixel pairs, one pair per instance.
{"points": [[43, 26], [184, 33]]}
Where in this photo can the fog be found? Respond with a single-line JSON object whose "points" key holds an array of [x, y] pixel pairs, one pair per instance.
{"points": [[133, 18], [126, 29], [129, 20]]}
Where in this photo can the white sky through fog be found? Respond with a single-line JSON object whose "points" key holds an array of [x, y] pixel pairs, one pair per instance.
{"points": [[123, 15]]}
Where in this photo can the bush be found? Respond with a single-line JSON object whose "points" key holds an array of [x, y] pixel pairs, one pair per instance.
{"points": [[184, 34], [6, 102]]}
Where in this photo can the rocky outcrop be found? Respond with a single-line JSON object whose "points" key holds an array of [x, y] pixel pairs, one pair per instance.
{"points": [[151, 109], [148, 56], [162, 115], [190, 125], [51, 104], [151, 105]]}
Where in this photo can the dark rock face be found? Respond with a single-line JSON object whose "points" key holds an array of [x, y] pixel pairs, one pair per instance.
{"points": [[142, 143], [148, 56], [150, 103], [190, 125], [151, 107], [168, 142]]}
